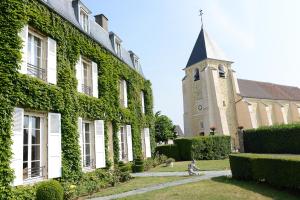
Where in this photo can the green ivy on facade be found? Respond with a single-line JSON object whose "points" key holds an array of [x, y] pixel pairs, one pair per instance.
{"points": [[19, 90]]}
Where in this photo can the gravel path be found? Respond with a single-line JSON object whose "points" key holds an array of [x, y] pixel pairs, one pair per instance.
{"points": [[207, 175]]}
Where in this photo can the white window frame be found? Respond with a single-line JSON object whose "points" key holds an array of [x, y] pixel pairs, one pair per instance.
{"points": [[87, 81], [43, 58], [118, 48], [91, 143], [84, 19], [43, 133], [123, 144]]}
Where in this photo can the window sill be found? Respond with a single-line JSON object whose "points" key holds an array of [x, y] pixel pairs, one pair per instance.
{"points": [[88, 169], [33, 181]]}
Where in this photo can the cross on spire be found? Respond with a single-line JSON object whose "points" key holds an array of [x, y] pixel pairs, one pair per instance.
{"points": [[201, 13]]}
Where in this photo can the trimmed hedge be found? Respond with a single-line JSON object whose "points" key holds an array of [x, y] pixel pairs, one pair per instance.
{"points": [[277, 170], [199, 148], [171, 151], [278, 139], [204, 148]]}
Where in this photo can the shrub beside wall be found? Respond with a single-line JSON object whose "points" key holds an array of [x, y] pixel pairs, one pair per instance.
{"points": [[275, 139], [171, 151], [199, 148], [282, 171]]}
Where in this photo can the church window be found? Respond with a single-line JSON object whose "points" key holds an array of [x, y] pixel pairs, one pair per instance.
{"points": [[201, 125], [221, 71], [197, 75], [224, 103]]}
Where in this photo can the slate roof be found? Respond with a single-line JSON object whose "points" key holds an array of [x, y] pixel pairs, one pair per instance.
{"points": [[178, 130], [68, 9], [263, 90], [205, 48]]}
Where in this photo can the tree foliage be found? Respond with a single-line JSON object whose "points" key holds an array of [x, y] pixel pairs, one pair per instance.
{"points": [[164, 128]]}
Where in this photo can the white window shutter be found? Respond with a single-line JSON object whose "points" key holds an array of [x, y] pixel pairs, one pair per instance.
{"points": [[125, 94], [24, 36], [80, 139], [54, 145], [17, 146], [99, 144], [51, 62], [95, 79], [79, 74], [129, 143], [120, 146], [147, 142]]}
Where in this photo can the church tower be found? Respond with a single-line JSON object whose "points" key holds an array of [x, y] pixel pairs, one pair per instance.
{"points": [[209, 90]]}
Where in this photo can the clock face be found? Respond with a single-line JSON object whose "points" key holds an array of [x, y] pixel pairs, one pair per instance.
{"points": [[200, 107]]}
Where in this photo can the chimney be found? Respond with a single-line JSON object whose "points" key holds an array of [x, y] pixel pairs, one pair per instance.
{"points": [[102, 21]]}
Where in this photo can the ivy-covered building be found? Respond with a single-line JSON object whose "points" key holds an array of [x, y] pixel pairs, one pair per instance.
{"points": [[72, 99]]}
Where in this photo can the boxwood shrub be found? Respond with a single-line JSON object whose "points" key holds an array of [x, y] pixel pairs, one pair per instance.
{"points": [[199, 148], [50, 190], [280, 139], [277, 170]]}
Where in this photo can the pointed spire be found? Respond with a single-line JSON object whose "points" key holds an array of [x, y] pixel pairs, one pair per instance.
{"points": [[205, 48]]}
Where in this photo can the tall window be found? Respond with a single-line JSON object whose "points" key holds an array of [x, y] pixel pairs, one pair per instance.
{"points": [[84, 19], [87, 86], [36, 60], [32, 167], [88, 145], [221, 71], [123, 142], [143, 102], [123, 93], [196, 75]]}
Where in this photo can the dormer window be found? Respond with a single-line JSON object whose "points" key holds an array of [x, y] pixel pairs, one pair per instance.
{"points": [[84, 20], [136, 63], [116, 43], [196, 75], [221, 71], [135, 60], [118, 48]]}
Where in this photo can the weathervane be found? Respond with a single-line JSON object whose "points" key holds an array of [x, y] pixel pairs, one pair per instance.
{"points": [[201, 13]]}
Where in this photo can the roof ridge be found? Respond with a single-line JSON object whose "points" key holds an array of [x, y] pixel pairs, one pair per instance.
{"points": [[268, 83]]}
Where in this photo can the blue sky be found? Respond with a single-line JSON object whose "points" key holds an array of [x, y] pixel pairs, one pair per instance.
{"points": [[261, 37]]}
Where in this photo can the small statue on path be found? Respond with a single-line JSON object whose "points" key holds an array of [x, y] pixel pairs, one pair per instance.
{"points": [[193, 169]]}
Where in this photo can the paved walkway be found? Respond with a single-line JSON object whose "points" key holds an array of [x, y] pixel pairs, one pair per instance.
{"points": [[207, 175]]}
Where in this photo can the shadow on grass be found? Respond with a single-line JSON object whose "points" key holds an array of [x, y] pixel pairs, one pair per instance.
{"points": [[261, 188]]}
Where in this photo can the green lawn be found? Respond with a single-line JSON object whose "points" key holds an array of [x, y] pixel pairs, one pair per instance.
{"points": [[134, 183], [221, 188], [204, 165]]}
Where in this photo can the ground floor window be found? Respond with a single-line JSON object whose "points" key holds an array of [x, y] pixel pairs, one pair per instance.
{"points": [[125, 143], [33, 147], [92, 143], [36, 147], [88, 134]]}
